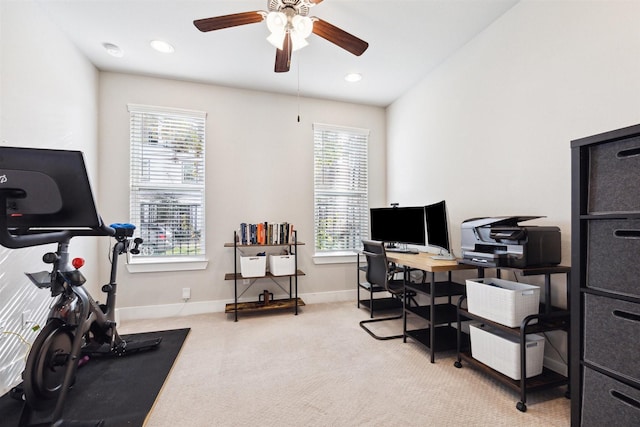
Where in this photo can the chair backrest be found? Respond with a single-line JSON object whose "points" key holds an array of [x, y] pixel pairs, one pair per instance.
{"points": [[377, 264]]}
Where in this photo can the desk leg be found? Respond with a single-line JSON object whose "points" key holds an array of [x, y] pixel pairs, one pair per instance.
{"points": [[432, 329], [405, 299]]}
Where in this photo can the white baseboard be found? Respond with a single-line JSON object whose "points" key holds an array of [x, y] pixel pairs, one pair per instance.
{"points": [[202, 307]]}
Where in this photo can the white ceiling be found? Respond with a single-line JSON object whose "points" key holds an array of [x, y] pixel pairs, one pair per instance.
{"points": [[407, 39]]}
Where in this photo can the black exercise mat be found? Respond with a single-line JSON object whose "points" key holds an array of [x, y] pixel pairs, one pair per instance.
{"points": [[119, 390]]}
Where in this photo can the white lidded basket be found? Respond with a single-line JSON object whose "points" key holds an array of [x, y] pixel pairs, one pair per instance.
{"points": [[501, 351], [253, 266], [282, 265], [502, 301]]}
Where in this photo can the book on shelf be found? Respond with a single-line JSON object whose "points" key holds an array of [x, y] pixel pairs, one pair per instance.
{"points": [[266, 233]]}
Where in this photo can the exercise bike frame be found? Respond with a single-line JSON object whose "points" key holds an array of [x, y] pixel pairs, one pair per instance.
{"points": [[92, 326]]}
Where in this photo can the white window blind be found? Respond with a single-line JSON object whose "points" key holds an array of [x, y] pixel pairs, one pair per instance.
{"points": [[340, 188], [168, 180]]}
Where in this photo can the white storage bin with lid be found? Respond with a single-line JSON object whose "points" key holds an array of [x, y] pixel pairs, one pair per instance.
{"points": [[502, 301], [253, 266], [282, 265], [501, 351]]}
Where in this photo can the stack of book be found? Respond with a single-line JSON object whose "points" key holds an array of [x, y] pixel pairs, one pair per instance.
{"points": [[266, 233]]}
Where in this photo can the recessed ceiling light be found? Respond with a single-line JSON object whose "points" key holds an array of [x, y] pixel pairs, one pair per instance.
{"points": [[353, 77], [161, 46], [113, 50]]}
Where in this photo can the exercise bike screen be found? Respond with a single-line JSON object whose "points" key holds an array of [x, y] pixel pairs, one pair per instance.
{"points": [[46, 188]]}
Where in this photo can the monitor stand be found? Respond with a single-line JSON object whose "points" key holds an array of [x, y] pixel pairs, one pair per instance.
{"points": [[444, 256]]}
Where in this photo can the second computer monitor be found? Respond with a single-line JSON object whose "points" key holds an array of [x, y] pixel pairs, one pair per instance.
{"points": [[437, 226]]}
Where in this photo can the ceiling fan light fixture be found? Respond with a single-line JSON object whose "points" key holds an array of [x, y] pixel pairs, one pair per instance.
{"points": [[302, 26], [299, 27], [161, 46], [297, 43], [277, 25], [276, 22], [276, 39]]}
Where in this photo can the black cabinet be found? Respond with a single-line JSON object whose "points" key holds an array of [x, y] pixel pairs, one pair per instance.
{"points": [[605, 281]]}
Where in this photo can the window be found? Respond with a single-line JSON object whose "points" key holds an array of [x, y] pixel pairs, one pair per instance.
{"points": [[167, 181], [341, 206]]}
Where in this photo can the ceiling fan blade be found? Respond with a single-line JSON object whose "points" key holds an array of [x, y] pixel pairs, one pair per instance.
{"points": [[226, 21], [283, 56], [339, 37]]}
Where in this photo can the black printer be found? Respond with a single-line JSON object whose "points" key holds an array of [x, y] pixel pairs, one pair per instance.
{"points": [[503, 242]]}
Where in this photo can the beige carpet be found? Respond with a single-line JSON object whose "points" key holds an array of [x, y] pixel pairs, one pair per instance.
{"points": [[321, 369]]}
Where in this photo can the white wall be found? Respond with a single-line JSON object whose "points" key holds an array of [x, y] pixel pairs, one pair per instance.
{"points": [[48, 99], [490, 129], [259, 167]]}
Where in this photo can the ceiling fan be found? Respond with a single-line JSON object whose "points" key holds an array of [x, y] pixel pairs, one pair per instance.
{"points": [[290, 25]]}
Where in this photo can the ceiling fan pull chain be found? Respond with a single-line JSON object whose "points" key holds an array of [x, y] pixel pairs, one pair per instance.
{"points": [[298, 89]]}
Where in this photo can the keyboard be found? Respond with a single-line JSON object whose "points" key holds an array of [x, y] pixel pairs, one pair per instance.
{"points": [[402, 251]]}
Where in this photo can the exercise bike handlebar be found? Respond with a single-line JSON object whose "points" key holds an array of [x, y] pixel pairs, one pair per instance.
{"points": [[14, 238]]}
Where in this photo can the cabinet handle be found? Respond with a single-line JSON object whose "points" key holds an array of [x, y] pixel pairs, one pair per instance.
{"points": [[627, 315], [631, 152], [626, 399], [627, 234]]}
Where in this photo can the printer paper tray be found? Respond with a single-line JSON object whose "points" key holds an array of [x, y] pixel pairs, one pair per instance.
{"points": [[484, 259], [483, 255], [479, 262]]}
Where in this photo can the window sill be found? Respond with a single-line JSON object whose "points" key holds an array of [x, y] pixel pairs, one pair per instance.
{"points": [[335, 258], [166, 264]]}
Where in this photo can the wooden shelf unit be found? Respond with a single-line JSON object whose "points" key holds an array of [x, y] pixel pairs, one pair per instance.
{"points": [[292, 302]]}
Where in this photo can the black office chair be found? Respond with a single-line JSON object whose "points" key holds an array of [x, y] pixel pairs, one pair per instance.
{"points": [[380, 273]]}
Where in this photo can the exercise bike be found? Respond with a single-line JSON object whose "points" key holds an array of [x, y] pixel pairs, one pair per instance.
{"points": [[77, 326]]}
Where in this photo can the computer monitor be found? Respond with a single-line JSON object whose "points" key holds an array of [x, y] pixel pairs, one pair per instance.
{"points": [[46, 188], [398, 225], [437, 226]]}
